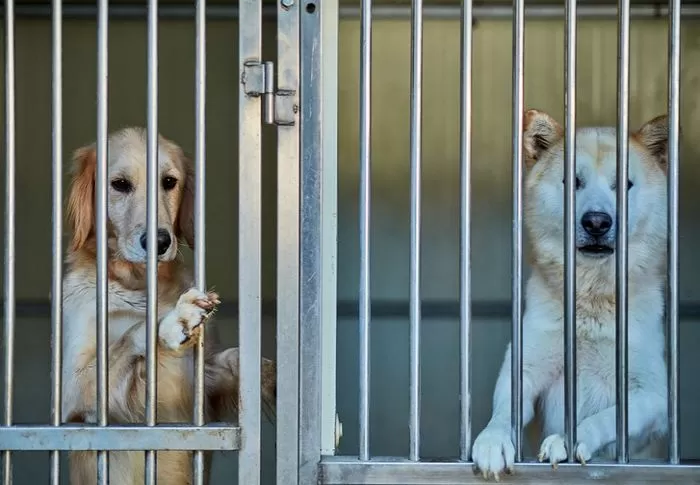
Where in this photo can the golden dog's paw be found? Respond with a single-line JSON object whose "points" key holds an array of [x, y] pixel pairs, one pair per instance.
{"points": [[181, 328]]}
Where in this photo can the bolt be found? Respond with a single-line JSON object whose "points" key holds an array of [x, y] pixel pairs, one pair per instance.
{"points": [[287, 3]]}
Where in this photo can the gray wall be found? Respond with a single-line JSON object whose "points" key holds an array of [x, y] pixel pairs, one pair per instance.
{"points": [[390, 215]]}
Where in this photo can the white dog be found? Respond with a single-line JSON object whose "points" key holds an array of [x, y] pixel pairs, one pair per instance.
{"points": [[543, 322]]}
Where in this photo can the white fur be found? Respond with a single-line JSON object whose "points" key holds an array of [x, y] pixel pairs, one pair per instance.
{"points": [[543, 338]]}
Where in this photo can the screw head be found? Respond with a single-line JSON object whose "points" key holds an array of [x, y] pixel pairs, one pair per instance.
{"points": [[287, 3]]}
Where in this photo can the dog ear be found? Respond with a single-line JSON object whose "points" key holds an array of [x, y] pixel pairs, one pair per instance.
{"points": [[540, 131], [81, 199], [654, 137], [185, 214]]}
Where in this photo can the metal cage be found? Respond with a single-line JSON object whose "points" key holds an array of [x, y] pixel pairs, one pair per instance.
{"points": [[297, 93]]}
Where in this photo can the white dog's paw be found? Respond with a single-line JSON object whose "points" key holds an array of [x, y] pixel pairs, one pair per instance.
{"points": [[582, 454], [553, 449], [182, 325], [493, 453]]}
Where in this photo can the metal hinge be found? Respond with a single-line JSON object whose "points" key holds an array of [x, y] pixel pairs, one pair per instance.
{"points": [[279, 107]]}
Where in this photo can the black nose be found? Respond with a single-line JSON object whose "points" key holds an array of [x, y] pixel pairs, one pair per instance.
{"points": [[596, 223], [163, 241]]}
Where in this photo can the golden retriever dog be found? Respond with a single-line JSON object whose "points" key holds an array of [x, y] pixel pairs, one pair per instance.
{"points": [[596, 182], [181, 310]]}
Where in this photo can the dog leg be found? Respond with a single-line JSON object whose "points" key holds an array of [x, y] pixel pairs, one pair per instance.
{"points": [[646, 417], [493, 452], [222, 382], [177, 331]]}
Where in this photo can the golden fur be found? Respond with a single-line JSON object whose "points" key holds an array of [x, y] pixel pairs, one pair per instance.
{"points": [[181, 311]]}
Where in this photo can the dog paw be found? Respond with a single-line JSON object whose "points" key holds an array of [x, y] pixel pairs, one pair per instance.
{"points": [[553, 449], [582, 454], [181, 327], [493, 453]]}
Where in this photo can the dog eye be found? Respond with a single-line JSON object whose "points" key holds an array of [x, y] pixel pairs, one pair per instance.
{"points": [[169, 183], [121, 185], [630, 184], [579, 184]]}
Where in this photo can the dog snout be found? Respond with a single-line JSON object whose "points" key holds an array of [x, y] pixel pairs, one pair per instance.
{"points": [[164, 241], [596, 223]]}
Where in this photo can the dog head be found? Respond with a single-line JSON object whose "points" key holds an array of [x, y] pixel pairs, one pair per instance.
{"points": [[596, 191], [126, 196]]}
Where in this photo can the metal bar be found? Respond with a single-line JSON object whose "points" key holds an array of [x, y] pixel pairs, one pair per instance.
{"points": [[517, 258], [199, 221], [534, 11], [101, 231], [57, 225], [249, 246], [116, 437], [365, 209], [465, 161], [10, 234], [329, 221], [288, 233], [311, 268], [415, 195], [171, 11], [623, 57], [390, 471], [570, 232], [674, 88], [152, 180]]}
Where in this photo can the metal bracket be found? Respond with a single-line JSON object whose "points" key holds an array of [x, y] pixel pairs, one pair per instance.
{"points": [[279, 107]]}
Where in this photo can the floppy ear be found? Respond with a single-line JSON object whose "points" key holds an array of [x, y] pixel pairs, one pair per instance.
{"points": [[540, 131], [81, 200], [185, 214], [654, 137]]}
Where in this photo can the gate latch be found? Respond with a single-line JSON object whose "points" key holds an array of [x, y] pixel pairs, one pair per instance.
{"points": [[279, 106]]}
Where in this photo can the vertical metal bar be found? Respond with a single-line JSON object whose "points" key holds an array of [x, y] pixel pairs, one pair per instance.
{"points": [[465, 161], [9, 273], [288, 247], [365, 206], [414, 264], [329, 13], [570, 233], [674, 87], [57, 224], [199, 219], [517, 263], [249, 246], [311, 269], [152, 180], [101, 231], [623, 57]]}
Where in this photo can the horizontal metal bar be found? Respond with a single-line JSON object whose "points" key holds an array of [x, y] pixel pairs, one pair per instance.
{"points": [[688, 310], [388, 471], [125, 438], [396, 12]]}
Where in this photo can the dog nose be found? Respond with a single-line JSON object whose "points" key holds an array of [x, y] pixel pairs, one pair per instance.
{"points": [[163, 241], [596, 223]]}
